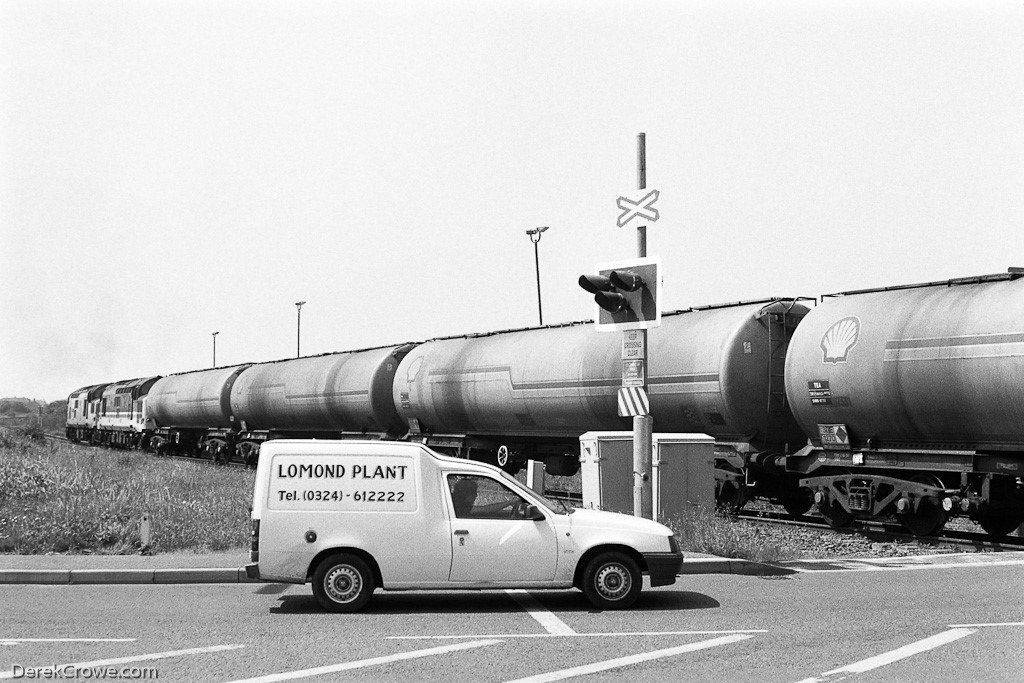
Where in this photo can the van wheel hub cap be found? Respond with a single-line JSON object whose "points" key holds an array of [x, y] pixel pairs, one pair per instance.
{"points": [[613, 581], [343, 583]]}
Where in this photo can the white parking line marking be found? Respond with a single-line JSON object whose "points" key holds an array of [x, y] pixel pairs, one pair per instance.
{"points": [[1009, 623], [345, 666], [506, 636], [140, 658], [895, 655], [549, 621], [17, 641], [630, 660]]}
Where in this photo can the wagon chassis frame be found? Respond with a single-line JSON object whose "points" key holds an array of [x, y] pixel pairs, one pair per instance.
{"points": [[855, 480]]}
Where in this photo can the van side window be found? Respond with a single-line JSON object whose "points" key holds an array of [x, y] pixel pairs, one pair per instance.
{"points": [[484, 498]]}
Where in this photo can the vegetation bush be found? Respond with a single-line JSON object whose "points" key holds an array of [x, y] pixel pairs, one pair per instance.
{"points": [[704, 530], [14, 407], [15, 414], [57, 497]]}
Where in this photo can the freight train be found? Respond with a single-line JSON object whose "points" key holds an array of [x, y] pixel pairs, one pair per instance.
{"points": [[905, 401]]}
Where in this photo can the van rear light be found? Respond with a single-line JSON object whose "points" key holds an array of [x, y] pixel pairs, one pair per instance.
{"points": [[254, 551], [673, 544]]}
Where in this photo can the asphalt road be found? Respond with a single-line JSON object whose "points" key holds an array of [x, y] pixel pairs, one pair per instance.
{"points": [[931, 623]]}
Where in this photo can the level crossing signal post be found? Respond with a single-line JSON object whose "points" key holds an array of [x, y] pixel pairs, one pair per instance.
{"points": [[643, 425], [626, 295]]}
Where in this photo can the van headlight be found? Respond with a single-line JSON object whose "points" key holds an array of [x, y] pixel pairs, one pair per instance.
{"points": [[673, 545]]}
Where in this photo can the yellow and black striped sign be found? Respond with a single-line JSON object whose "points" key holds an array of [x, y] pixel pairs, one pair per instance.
{"points": [[633, 401]]}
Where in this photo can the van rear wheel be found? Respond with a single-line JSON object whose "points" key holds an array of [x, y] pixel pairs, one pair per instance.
{"points": [[612, 580], [343, 583]]}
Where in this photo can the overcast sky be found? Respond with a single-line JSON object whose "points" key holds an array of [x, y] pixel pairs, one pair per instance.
{"points": [[171, 169]]}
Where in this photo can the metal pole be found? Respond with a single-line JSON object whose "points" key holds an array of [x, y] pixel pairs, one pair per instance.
{"points": [[643, 425], [536, 261], [215, 348], [298, 329], [641, 184], [535, 235]]}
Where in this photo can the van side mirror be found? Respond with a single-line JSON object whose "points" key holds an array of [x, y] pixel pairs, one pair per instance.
{"points": [[533, 513]]}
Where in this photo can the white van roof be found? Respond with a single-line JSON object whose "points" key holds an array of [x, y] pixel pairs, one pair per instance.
{"points": [[361, 446]]}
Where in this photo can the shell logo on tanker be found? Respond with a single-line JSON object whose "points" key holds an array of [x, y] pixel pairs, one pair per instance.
{"points": [[839, 339]]}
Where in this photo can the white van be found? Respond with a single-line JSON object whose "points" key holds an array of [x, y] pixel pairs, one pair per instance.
{"points": [[353, 516]]}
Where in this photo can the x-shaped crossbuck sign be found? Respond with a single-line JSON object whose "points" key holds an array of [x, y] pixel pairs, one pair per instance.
{"points": [[644, 208]]}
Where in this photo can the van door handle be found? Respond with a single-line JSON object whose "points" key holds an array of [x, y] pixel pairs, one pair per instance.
{"points": [[461, 532]]}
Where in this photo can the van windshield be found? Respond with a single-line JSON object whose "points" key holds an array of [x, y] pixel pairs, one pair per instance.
{"points": [[555, 506]]}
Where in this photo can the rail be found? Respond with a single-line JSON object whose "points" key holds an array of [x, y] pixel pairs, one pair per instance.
{"points": [[882, 532]]}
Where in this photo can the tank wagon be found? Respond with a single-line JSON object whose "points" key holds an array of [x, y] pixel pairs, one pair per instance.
{"points": [[511, 396], [192, 411], [335, 395], [226, 413], [913, 401]]}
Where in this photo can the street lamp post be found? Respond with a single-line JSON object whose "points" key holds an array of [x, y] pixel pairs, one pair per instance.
{"points": [[535, 235], [298, 328], [215, 348]]}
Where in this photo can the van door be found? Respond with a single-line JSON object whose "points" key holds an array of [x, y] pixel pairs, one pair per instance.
{"points": [[491, 540]]}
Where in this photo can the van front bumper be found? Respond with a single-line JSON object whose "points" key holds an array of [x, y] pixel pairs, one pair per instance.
{"points": [[663, 567]]}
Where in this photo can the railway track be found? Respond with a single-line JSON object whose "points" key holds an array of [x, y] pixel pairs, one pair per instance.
{"points": [[185, 458], [887, 532]]}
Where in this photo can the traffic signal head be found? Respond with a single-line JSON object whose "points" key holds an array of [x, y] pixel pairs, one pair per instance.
{"points": [[604, 292], [626, 295], [596, 283], [626, 280]]}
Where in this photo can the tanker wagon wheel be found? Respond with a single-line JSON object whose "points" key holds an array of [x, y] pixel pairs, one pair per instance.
{"points": [[249, 454], [612, 580], [929, 518], [729, 495], [835, 514], [343, 583], [999, 523], [507, 461], [561, 465], [797, 500]]}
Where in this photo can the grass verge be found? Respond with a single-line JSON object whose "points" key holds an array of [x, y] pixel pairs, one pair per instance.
{"points": [[703, 530], [59, 497]]}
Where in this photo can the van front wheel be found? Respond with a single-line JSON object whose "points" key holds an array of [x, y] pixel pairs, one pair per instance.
{"points": [[343, 583], [612, 581]]}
